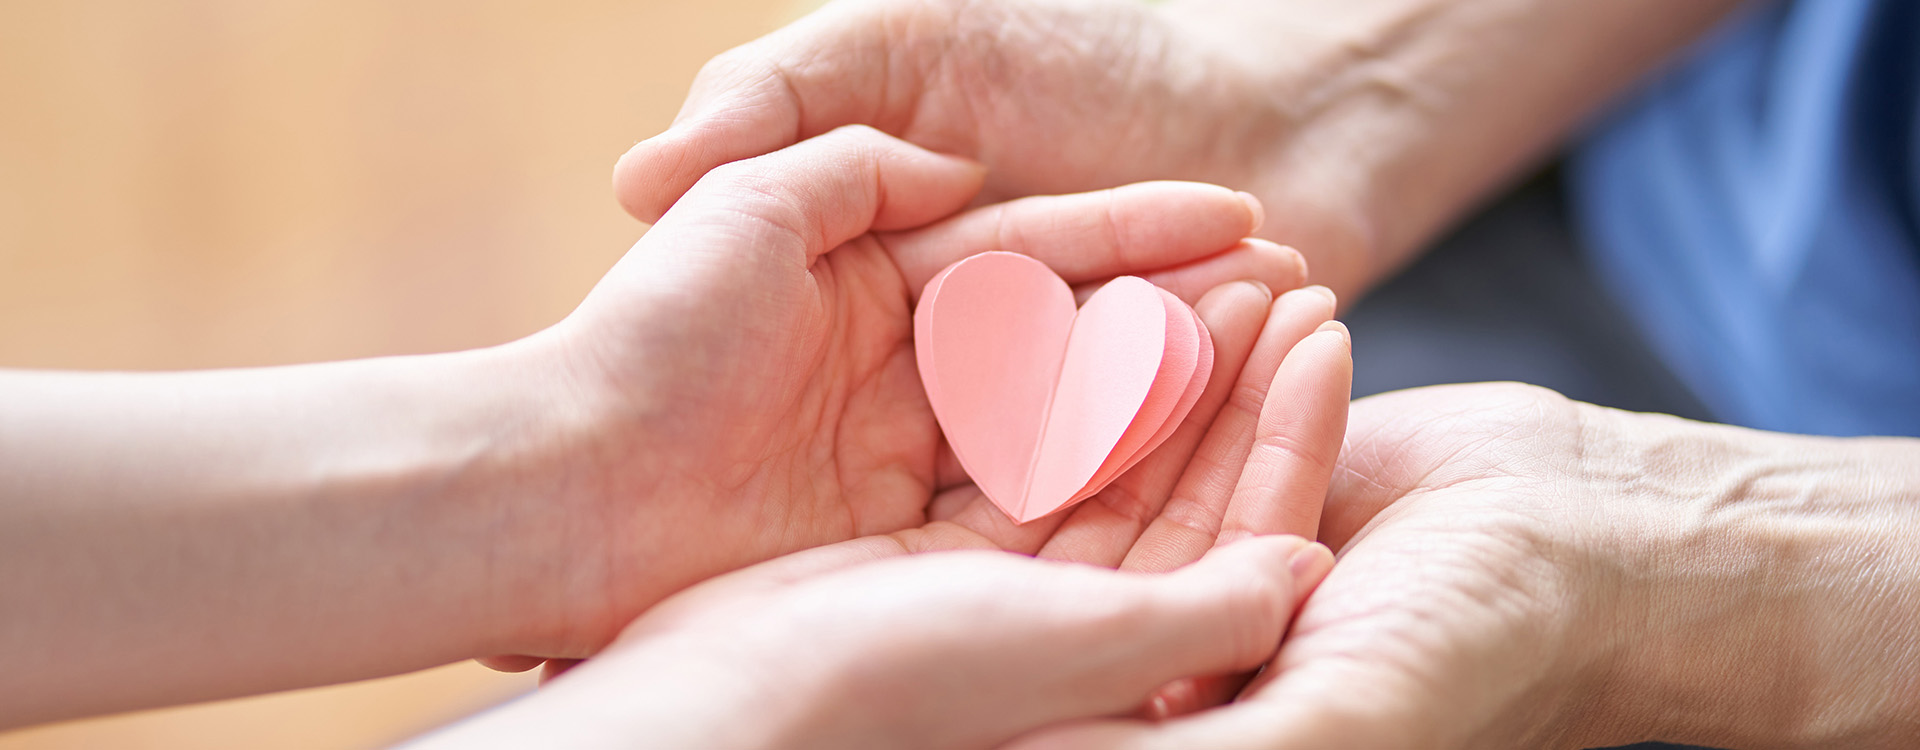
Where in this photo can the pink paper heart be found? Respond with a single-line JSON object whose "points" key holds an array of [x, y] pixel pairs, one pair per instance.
{"points": [[1045, 405]]}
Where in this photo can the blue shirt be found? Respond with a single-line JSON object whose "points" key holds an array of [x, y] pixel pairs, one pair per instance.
{"points": [[1755, 210]]}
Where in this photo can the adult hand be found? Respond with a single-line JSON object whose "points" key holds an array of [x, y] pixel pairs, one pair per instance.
{"points": [[1368, 127], [1520, 570], [743, 382], [1053, 97], [861, 645]]}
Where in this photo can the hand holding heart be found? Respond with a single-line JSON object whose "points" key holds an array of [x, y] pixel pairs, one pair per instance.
{"points": [[743, 383], [1042, 405]]}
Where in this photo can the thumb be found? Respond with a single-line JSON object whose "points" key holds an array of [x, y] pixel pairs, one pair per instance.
{"points": [[827, 70], [809, 198], [1063, 642], [1227, 612]]}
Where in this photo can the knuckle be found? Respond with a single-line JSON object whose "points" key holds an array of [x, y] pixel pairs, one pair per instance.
{"points": [[1248, 397], [1285, 447], [1125, 501]]}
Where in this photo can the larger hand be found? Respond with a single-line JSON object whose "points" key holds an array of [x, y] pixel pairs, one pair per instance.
{"points": [[1052, 96], [1521, 570]]}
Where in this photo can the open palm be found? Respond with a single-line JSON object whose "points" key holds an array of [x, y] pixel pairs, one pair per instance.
{"points": [[1450, 620], [745, 377]]}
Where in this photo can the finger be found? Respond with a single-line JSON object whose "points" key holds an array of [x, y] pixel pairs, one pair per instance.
{"points": [[818, 194], [1276, 266], [1088, 236], [1336, 702], [1227, 612], [1102, 529], [1187, 696], [1284, 485], [511, 662], [1190, 522], [829, 69], [1271, 266], [1199, 693]]}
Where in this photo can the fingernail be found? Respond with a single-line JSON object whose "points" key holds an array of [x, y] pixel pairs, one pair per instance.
{"points": [[1265, 290], [1158, 709], [1299, 263], [1310, 564], [1336, 327], [1324, 292], [1253, 204]]}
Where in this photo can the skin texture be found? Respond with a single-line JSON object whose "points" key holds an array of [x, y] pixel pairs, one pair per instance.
{"points": [[740, 386], [833, 649], [956, 649], [1521, 570], [1367, 126]]}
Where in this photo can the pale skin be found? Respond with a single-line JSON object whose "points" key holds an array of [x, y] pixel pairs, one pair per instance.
{"points": [[739, 387], [1694, 583], [865, 644]]}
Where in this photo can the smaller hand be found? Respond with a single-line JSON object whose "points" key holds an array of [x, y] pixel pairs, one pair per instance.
{"points": [[742, 385], [861, 645]]}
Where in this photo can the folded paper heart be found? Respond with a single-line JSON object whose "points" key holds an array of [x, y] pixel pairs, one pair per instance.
{"points": [[1044, 405]]}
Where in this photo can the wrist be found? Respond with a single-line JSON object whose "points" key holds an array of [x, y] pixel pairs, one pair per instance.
{"points": [[1337, 117], [1764, 582], [1405, 114], [665, 694], [525, 493]]}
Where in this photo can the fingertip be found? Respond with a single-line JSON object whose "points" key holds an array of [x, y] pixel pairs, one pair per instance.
{"points": [[1309, 566], [1296, 262], [633, 187], [1337, 328], [1308, 305], [1253, 207], [655, 173], [1245, 293], [1267, 552]]}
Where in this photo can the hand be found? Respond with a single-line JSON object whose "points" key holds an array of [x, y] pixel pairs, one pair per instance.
{"points": [[1252, 458], [1520, 570], [742, 384], [860, 645], [732, 391], [1053, 96]]}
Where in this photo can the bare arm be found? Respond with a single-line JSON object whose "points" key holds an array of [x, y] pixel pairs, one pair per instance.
{"points": [[167, 538], [1424, 107]]}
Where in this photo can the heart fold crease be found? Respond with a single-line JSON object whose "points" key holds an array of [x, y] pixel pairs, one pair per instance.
{"points": [[1045, 404]]}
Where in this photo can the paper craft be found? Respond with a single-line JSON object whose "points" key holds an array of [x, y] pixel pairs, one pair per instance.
{"points": [[1044, 405]]}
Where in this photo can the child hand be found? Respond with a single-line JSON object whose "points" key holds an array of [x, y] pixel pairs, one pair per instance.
{"points": [[742, 384], [861, 645]]}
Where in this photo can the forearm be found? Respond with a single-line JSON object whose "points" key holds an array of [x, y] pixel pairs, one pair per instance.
{"points": [[177, 537], [1770, 591], [1423, 107]]}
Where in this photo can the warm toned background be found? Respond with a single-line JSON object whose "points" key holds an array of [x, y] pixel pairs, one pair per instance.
{"points": [[205, 183]]}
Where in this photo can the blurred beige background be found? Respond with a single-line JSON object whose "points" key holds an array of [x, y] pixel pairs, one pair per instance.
{"points": [[209, 183]]}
